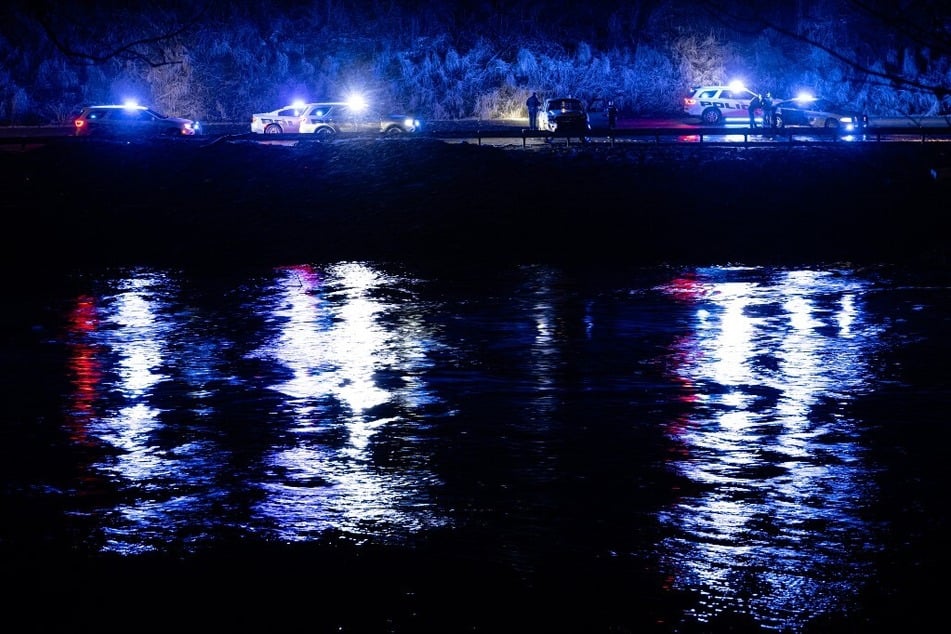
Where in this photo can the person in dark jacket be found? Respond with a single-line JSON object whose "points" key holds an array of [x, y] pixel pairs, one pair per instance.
{"points": [[767, 105], [533, 104], [612, 115], [755, 104]]}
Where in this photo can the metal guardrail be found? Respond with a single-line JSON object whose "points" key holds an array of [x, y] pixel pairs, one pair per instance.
{"points": [[710, 134]]}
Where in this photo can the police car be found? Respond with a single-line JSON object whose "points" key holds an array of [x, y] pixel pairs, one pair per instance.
{"points": [[327, 118], [131, 120], [718, 104], [817, 112]]}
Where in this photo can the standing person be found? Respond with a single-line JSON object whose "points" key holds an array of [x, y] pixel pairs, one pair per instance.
{"points": [[612, 115], [767, 104], [755, 103], [533, 104]]}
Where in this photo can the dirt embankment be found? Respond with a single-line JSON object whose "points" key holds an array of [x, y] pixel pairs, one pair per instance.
{"points": [[168, 203]]}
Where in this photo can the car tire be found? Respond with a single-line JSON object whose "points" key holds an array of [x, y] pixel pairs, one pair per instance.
{"points": [[323, 134], [393, 130], [712, 116], [778, 121], [273, 129]]}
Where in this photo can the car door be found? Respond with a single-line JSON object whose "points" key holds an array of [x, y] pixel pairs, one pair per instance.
{"points": [[736, 103], [319, 117], [825, 113], [133, 122], [598, 113], [793, 113], [289, 120], [358, 120]]}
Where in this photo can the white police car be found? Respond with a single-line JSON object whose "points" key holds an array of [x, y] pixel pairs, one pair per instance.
{"points": [[715, 105], [327, 118], [818, 112]]}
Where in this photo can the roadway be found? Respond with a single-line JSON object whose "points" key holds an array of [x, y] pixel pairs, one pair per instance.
{"points": [[656, 129]]}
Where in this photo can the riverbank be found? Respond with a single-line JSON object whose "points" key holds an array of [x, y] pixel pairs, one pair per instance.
{"points": [[230, 203]]}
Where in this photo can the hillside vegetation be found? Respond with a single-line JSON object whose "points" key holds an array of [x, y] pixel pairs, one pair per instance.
{"points": [[222, 61]]}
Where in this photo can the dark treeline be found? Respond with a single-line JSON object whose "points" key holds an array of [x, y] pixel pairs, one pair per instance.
{"points": [[221, 61]]}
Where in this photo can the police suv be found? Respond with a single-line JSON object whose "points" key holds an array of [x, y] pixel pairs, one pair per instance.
{"points": [[718, 104]]}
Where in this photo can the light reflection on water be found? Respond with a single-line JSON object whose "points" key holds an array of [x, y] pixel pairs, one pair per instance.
{"points": [[775, 517], [314, 400], [338, 337]]}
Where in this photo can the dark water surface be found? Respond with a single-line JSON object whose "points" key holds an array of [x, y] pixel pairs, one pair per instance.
{"points": [[366, 447]]}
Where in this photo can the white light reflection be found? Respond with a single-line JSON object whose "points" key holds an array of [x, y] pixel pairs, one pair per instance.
{"points": [[354, 366], [544, 348], [130, 331], [124, 342], [770, 365]]}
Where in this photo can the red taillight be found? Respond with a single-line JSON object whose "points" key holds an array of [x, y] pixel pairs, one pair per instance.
{"points": [[689, 102], [79, 123]]}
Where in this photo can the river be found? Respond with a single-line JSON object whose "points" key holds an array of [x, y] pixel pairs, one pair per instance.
{"points": [[365, 446]]}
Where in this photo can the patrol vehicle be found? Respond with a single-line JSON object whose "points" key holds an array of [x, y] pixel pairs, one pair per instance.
{"points": [[715, 105], [817, 112], [131, 120]]}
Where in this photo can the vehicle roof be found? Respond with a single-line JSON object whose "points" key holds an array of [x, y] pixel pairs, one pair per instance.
{"points": [[313, 103], [808, 100], [307, 104], [695, 89]]}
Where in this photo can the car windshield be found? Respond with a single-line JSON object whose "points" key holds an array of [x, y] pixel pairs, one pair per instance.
{"points": [[564, 104], [818, 105]]}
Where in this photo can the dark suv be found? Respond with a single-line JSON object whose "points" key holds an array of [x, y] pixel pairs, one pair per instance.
{"points": [[565, 116], [131, 120]]}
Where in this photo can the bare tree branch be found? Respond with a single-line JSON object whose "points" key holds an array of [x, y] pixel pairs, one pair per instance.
{"points": [[916, 24], [59, 26]]}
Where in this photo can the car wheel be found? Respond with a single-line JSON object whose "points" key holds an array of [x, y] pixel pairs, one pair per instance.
{"points": [[273, 129], [712, 116], [394, 130], [323, 134], [832, 122], [778, 121]]}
